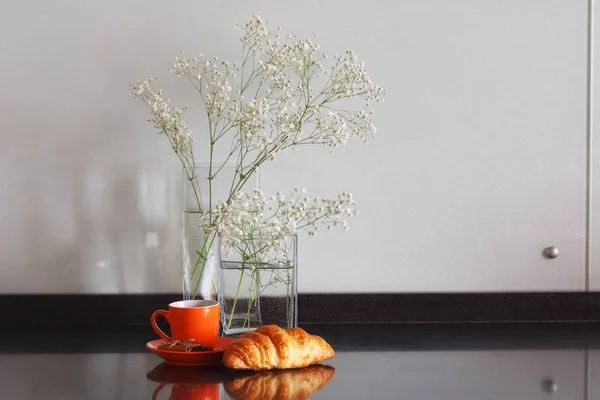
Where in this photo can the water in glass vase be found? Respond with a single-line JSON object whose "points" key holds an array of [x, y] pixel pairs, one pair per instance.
{"points": [[200, 260], [200, 254], [258, 292]]}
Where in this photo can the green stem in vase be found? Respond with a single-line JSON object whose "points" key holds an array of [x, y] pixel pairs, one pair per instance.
{"points": [[246, 323], [252, 298], [237, 294], [195, 291], [287, 298], [203, 255], [256, 281]]}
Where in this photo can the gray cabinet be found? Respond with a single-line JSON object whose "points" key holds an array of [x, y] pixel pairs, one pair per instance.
{"points": [[481, 160]]}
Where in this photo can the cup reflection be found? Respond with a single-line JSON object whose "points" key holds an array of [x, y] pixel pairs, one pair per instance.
{"points": [[189, 383], [206, 391]]}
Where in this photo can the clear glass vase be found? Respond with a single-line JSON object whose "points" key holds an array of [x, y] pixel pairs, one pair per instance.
{"points": [[199, 260], [200, 254], [257, 287]]}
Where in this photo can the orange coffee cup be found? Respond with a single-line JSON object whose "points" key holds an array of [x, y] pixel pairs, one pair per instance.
{"points": [[191, 319]]}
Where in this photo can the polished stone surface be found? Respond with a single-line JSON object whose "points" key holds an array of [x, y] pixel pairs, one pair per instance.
{"points": [[416, 362]]}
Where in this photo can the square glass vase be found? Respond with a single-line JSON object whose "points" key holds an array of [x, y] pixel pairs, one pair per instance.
{"points": [[200, 253], [257, 287]]}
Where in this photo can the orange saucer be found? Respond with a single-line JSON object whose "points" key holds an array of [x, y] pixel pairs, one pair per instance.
{"points": [[196, 358]]}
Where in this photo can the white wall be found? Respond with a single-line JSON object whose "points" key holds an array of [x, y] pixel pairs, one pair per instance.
{"points": [[479, 163]]}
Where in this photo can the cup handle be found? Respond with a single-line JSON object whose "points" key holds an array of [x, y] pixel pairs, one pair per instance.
{"points": [[158, 331], [158, 389]]}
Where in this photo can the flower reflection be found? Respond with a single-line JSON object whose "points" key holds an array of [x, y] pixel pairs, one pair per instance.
{"points": [[289, 384]]}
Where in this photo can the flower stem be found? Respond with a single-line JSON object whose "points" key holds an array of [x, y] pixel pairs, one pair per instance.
{"points": [[237, 294], [252, 299], [203, 255], [287, 298]]}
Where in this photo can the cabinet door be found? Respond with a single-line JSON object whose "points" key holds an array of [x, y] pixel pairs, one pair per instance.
{"points": [[480, 159], [594, 265]]}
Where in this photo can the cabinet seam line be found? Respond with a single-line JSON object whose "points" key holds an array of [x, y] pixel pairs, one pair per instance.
{"points": [[589, 125]]}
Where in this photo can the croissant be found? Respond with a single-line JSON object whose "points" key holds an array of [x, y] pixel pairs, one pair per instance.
{"points": [[270, 347], [291, 384]]}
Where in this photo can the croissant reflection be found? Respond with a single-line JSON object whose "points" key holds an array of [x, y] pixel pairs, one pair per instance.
{"points": [[289, 384]]}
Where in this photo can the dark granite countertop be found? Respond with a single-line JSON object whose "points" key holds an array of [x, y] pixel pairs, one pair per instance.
{"points": [[377, 361]]}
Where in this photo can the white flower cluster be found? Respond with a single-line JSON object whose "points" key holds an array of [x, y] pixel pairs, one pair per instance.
{"points": [[252, 118], [270, 218], [212, 79], [256, 34], [168, 121], [289, 105], [283, 94], [351, 79]]}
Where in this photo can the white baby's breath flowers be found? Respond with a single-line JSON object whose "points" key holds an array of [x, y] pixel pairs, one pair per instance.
{"points": [[284, 94], [257, 218], [167, 120]]}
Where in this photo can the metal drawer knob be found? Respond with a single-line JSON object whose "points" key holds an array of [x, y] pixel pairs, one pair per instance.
{"points": [[549, 385], [551, 252]]}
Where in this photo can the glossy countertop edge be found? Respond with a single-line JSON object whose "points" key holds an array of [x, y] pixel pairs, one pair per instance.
{"points": [[343, 337], [131, 309]]}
